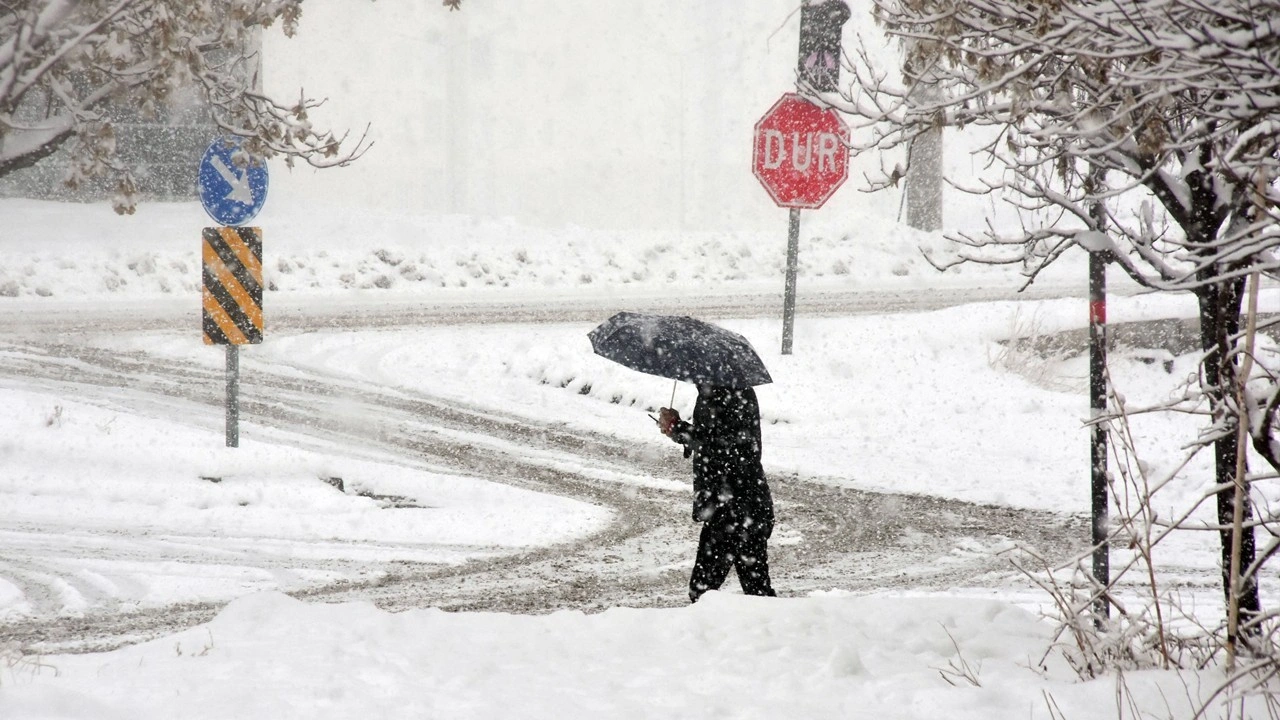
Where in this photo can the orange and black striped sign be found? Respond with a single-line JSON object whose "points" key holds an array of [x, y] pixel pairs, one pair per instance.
{"points": [[232, 285]]}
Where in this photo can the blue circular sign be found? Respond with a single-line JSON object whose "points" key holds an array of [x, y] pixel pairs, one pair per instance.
{"points": [[231, 192]]}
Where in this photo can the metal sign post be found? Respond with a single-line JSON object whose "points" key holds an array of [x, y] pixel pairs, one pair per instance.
{"points": [[789, 286], [233, 188], [801, 152], [233, 396], [801, 157]]}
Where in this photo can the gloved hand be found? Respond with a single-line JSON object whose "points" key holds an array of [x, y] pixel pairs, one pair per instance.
{"points": [[667, 419]]}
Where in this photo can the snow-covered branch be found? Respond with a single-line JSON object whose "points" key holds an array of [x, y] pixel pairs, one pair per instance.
{"points": [[1177, 101], [64, 62], [1145, 132]]}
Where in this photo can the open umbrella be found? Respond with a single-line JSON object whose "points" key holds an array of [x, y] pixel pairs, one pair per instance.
{"points": [[680, 348]]}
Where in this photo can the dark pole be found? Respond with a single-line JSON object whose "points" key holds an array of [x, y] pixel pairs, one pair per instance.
{"points": [[1098, 407]]}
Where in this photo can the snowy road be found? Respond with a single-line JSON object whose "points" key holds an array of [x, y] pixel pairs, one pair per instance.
{"points": [[640, 559], [380, 309]]}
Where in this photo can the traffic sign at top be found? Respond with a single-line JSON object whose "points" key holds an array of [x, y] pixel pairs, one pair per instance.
{"points": [[233, 186]]}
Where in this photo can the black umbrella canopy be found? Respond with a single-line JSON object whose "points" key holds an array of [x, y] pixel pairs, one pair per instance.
{"points": [[679, 348]]}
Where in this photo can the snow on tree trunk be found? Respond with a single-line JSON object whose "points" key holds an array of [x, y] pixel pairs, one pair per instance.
{"points": [[924, 181]]}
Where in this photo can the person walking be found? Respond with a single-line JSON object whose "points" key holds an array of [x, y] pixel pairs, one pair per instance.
{"points": [[730, 494]]}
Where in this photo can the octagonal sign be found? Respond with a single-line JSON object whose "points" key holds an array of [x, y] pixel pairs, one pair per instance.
{"points": [[801, 152]]}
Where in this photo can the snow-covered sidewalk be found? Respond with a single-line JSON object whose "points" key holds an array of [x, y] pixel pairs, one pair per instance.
{"points": [[729, 656]]}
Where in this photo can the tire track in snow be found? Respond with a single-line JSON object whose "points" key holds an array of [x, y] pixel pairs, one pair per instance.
{"points": [[640, 560]]}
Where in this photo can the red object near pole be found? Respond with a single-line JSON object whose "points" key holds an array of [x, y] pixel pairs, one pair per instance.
{"points": [[1098, 310]]}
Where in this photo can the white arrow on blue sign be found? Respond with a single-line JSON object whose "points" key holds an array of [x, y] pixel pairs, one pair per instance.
{"points": [[230, 193]]}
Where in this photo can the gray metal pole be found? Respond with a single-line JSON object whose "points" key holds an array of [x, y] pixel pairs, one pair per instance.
{"points": [[233, 396], [789, 292]]}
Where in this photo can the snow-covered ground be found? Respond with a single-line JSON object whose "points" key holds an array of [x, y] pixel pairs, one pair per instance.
{"points": [[88, 472], [924, 402], [532, 175], [729, 656]]}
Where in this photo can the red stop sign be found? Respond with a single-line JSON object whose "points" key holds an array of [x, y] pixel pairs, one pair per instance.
{"points": [[801, 152]]}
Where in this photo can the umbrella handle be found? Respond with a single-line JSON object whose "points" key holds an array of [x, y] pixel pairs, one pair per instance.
{"points": [[673, 393]]}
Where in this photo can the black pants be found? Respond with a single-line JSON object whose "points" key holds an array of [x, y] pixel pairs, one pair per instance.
{"points": [[726, 542]]}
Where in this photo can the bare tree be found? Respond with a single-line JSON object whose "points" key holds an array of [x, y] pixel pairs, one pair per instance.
{"points": [[1166, 115], [62, 62]]}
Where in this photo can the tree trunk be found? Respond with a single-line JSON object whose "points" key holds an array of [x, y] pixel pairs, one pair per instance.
{"points": [[1219, 321], [924, 182]]}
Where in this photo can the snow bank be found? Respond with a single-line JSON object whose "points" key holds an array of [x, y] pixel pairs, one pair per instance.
{"points": [[727, 656], [75, 251]]}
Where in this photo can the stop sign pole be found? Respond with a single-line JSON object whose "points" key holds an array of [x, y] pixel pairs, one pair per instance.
{"points": [[789, 284], [801, 157], [802, 150]]}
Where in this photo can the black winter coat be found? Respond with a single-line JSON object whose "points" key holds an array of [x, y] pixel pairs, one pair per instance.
{"points": [[724, 441]]}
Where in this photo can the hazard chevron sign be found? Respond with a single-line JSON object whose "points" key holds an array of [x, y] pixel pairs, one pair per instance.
{"points": [[232, 285]]}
